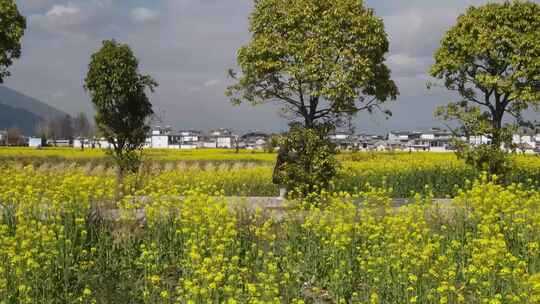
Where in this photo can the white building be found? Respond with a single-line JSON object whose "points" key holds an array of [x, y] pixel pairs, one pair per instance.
{"points": [[524, 139], [164, 138], [477, 140], [439, 140], [160, 142], [191, 136], [223, 138], [254, 140], [103, 144], [399, 136], [78, 142], [208, 142], [525, 143], [35, 142], [160, 138], [59, 143], [225, 142], [433, 140], [340, 135]]}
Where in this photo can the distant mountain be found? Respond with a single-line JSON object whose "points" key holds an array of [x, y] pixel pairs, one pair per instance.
{"points": [[11, 117], [18, 100]]}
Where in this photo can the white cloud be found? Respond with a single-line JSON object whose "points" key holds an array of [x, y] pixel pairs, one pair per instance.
{"points": [[212, 83], [59, 94], [417, 31], [59, 11], [35, 4], [192, 44], [402, 60], [143, 14], [76, 18], [407, 65]]}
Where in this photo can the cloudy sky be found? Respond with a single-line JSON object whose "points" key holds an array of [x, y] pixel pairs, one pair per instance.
{"points": [[188, 45]]}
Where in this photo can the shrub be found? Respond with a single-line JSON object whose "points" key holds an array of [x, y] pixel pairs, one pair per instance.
{"points": [[306, 161]]}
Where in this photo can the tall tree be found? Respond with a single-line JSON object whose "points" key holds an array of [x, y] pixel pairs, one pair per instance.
{"points": [[14, 137], [118, 93], [12, 27], [82, 128], [491, 58], [82, 125], [66, 127], [54, 128], [43, 131], [322, 60]]}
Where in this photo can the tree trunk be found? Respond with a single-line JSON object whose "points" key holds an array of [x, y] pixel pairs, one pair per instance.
{"points": [[497, 139], [119, 182], [308, 121]]}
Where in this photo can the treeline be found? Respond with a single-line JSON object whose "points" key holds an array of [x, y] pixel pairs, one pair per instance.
{"points": [[52, 130], [65, 128]]}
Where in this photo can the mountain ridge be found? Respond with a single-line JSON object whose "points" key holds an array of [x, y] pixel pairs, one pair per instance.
{"points": [[15, 99], [24, 120]]}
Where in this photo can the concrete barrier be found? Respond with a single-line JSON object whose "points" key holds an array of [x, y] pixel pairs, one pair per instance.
{"points": [[271, 205]]}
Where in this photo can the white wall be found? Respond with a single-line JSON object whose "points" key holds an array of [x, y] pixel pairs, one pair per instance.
{"points": [[209, 144], [34, 142], [190, 138], [103, 144], [479, 140], [224, 142], [77, 143], [160, 141], [188, 147], [438, 149], [339, 136], [392, 137], [525, 139]]}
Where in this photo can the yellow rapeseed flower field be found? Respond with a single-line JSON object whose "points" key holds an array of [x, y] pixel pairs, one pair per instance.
{"points": [[175, 238], [250, 173]]}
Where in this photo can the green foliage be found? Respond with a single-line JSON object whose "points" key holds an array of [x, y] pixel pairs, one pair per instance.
{"points": [[306, 161], [471, 120], [491, 57], [122, 106], [12, 27], [321, 59], [486, 158], [272, 143]]}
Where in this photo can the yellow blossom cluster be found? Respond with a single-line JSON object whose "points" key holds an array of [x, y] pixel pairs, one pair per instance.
{"points": [[249, 173], [64, 239]]}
